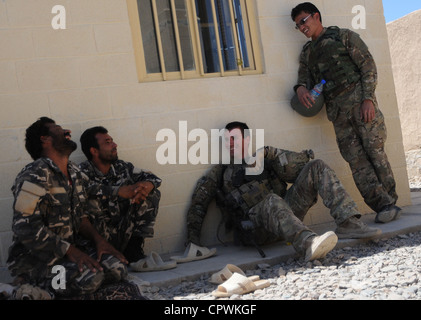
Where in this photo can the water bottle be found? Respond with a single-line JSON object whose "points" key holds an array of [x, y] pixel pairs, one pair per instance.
{"points": [[317, 90]]}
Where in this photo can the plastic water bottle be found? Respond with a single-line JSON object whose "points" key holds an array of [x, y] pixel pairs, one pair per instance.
{"points": [[317, 90]]}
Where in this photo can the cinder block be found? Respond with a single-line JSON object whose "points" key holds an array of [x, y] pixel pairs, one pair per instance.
{"points": [[23, 13], [73, 105], [8, 81], [113, 38], [107, 70], [8, 142], [3, 15], [72, 41], [22, 109], [141, 99], [152, 124], [16, 44], [48, 74], [97, 11]]}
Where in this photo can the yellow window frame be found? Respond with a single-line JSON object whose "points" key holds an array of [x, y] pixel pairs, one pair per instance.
{"points": [[252, 42]]}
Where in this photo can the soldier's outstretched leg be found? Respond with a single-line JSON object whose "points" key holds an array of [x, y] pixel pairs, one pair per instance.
{"points": [[274, 215], [317, 178]]}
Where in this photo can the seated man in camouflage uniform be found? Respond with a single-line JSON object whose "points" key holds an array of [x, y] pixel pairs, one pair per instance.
{"points": [[264, 201], [50, 223], [123, 223]]}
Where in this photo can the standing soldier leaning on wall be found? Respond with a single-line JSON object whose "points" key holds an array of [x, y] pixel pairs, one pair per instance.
{"points": [[343, 60]]}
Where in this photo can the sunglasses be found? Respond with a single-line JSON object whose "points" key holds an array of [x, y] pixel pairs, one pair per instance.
{"points": [[303, 21]]}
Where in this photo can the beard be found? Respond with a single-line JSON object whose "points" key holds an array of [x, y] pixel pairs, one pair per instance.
{"points": [[108, 158], [64, 146]]}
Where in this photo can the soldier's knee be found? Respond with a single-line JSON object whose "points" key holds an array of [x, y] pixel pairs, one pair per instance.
{"points": [[156, 194], [87, 283], [318, 164], [114, 269], [273, 198]]}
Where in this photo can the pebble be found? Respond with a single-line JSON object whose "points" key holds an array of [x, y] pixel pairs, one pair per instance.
{"points": [[387, 269]]}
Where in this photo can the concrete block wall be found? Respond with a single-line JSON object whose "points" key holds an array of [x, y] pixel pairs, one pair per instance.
{"points": [[86, 75]]}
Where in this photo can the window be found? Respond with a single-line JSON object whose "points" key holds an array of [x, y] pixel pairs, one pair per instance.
{"points": [[184, 39]]}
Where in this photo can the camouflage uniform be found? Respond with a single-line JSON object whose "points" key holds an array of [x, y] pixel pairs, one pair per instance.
{"points": [[340, 57], [115, 218], [275, 211], [48, 211]]}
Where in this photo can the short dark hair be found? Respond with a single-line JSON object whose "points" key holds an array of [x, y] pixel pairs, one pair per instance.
{"points": [[88, 140], [306, 7], [239, 125], [33, 136]]}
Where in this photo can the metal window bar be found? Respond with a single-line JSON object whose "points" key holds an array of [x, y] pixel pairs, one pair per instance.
{"points": [[236, 39], [159, 40], [177, 39], [197, 36], [246, 43], [218, 40]]}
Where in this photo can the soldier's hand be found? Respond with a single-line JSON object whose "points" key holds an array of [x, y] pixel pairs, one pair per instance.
{"points": [[310, 154], [103, 247], [127, 192], [305, 97], [82, 259], [143, 189], [367, 111]]}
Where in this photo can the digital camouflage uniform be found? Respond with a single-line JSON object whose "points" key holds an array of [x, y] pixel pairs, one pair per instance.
{"points": [[47, 215], [340, 57], [114, 217], [275, 211]]}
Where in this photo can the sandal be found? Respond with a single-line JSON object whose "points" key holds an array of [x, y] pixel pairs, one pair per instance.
{"points": [[193, 253], [153, 262], [224, 274], [239, 284]]}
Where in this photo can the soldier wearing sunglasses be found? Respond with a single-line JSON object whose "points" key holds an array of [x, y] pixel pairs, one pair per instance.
{"points": [[341, 57]]}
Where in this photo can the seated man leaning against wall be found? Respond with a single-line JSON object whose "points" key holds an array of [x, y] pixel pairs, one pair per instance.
{"points": [[125, 223], [50, 220], [257, 197]]}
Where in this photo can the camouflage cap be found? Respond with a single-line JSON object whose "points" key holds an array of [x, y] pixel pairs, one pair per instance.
{"points": [[303, 110]]}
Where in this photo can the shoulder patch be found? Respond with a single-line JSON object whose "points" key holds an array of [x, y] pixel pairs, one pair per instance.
{"points": [[28, 198]]}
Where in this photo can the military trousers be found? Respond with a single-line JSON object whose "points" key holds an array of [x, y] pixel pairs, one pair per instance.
{"points": [[68, 281], [283, 217], [136, 220], [362, 146]]}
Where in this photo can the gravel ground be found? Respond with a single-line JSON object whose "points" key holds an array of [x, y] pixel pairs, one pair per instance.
{"points": [[387, 269]]}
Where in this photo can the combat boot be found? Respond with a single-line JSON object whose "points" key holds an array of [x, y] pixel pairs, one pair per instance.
{"points": [[388, 213], [319, 246], [354, 228]]}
